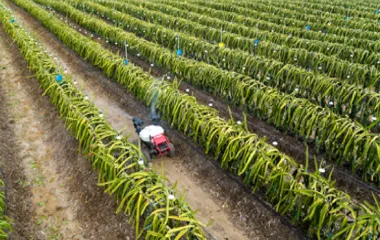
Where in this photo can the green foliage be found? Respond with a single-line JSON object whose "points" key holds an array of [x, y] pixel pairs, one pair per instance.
{"points": [[5, 222], [343, 51], [140, 192], [331, 65], [317, 88], [312, 12], [307, 197], [358, 38], [362, 11], [337, 135], [251, 18]]}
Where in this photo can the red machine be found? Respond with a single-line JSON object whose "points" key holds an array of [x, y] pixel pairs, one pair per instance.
{"points": [[153, 136], [162, 146], [154, 143]]}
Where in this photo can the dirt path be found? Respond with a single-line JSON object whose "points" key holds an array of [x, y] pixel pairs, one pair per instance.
{"points": [[236, 214], [58, 197], [19, 207], [39, 158], [120, 119], [346, 181]]}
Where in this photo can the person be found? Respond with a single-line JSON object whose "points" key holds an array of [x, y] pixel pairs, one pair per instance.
{"points": [[137, 123]]}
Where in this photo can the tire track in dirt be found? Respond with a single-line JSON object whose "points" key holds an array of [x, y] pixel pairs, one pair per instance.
{"points": [[19, 205], [345, 180], [294, 147], [120, 119], [63, 201], [236, 214]]}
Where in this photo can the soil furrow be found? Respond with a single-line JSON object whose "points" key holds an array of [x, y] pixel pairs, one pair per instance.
{"points": [[349, 182], [236, 214], [52, 190], [345, 180], [18, 199]]}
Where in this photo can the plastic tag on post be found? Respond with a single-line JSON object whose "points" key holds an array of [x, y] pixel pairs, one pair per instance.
{"points": [[179, 52], [345, 18], [126, 61], [377, 11], [221, 44], [308, 27], [12, 20], [256, 42], [59, 79]]}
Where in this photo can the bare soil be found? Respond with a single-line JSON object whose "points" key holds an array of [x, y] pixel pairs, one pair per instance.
{"points": [[237, 214], [52, 190], [19, 204], [346, 181]]}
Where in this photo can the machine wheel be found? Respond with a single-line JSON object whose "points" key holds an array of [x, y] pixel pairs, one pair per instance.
{"points": [[136, 142], [143, 149], [146, 155], [172, 150], [153, 155]]}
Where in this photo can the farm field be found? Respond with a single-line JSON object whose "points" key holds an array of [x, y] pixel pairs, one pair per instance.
{"points": [[271, 108]]}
